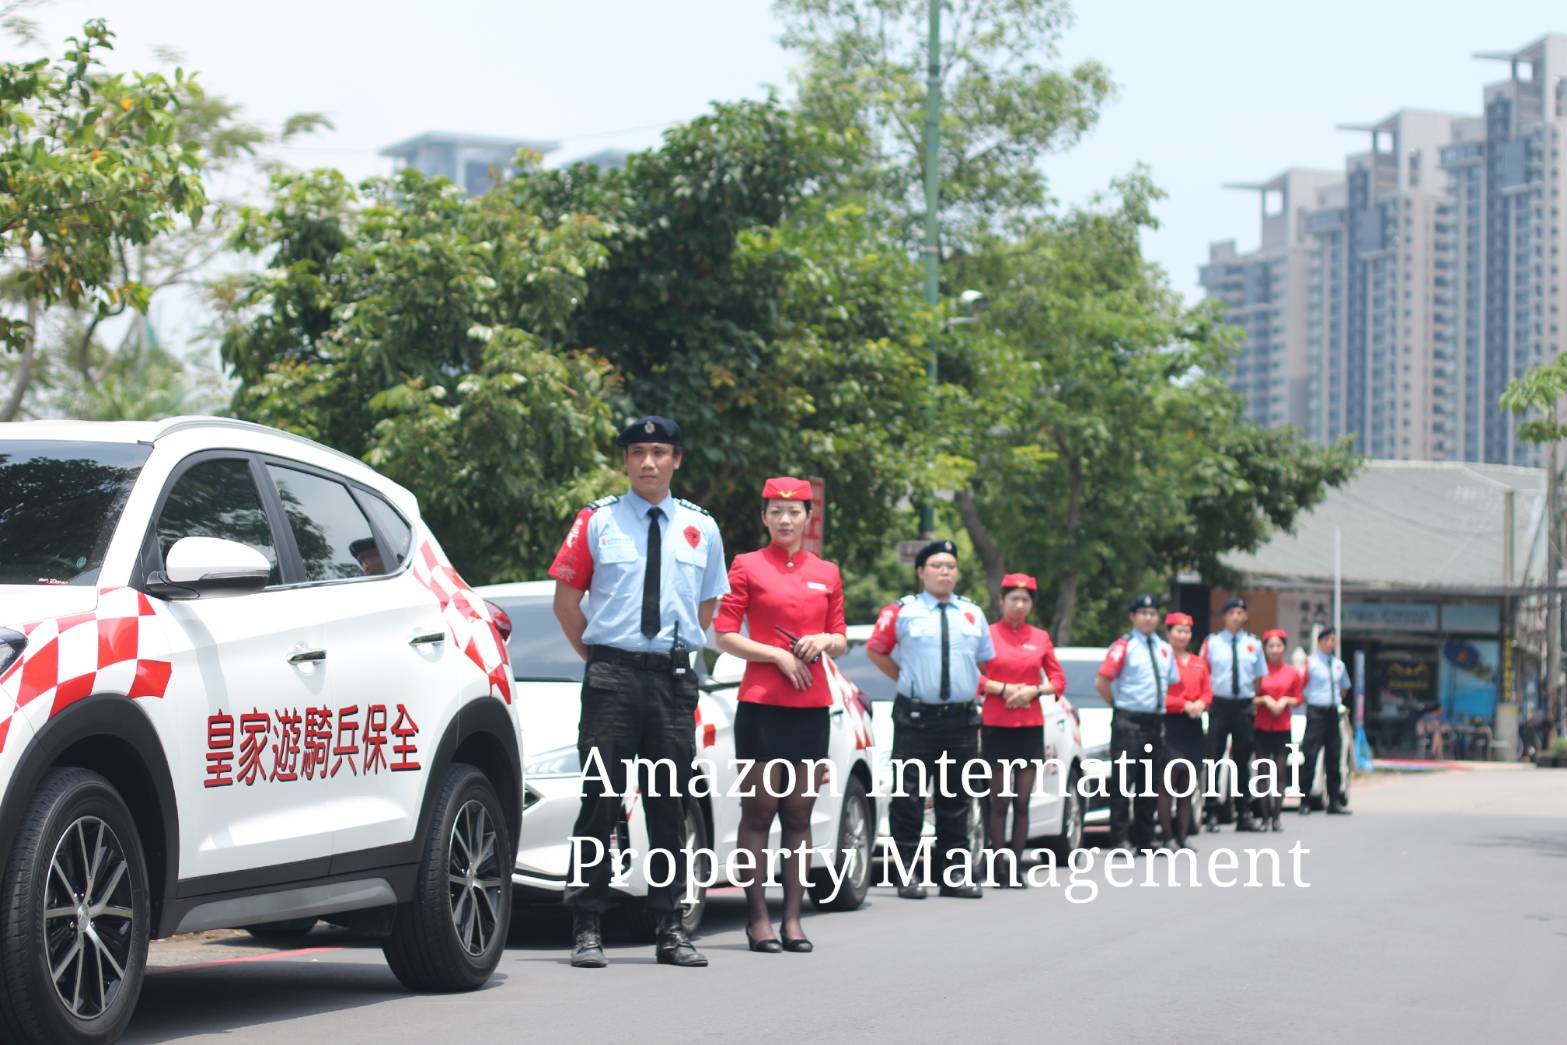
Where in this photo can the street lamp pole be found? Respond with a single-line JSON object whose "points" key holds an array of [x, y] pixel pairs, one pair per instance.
{"points": [[932, 248]]}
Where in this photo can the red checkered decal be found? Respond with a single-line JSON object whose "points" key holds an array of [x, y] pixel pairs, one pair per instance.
{"points": [[466, 616], [100, 651]]}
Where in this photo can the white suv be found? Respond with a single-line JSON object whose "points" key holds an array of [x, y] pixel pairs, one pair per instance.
{"points": [[239, 683]]}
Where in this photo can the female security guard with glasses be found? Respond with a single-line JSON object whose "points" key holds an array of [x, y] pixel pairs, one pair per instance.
{"points": [[792, 604]]}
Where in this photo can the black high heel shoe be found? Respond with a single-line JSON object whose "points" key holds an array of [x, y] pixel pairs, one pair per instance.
{"points": [[762, 946], [798, 945]]}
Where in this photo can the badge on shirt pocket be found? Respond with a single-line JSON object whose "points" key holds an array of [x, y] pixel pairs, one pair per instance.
{"points": [[616, 547], [816, 585]]}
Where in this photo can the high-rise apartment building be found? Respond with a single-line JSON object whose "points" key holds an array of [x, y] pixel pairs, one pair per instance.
{"points": [[474, 161], [1432, 276], [1265, 293]]}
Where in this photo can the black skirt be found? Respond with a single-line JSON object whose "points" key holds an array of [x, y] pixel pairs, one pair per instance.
{"points": [[1272, 742], [1183, 738], [1003, 743], [764, 732]]}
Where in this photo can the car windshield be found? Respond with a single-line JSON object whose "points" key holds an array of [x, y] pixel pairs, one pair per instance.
{"points": [[62, 502], [537, 649], [1080, 681], [858, 667]]}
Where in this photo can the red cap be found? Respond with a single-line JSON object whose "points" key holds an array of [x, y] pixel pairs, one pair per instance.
{"points": [[1172, 619], [786, 488], [1275, 633], [1019, 580]]}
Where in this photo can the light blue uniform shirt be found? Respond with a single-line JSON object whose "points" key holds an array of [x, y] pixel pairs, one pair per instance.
{"points": [[610, 539], [1222, 649], [912, 625], [1326, 678], [1140, 675]]}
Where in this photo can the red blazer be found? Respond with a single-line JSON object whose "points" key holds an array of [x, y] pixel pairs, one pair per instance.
{"points": [[1194, 685], [802, 594], [1024, 655], [1282, 681]]}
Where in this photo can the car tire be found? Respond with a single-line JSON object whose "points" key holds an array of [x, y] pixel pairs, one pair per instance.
{"points": [[289, 931], [642, 924], [857, 838], [76, 853], [1070, 838], [450, 936]]}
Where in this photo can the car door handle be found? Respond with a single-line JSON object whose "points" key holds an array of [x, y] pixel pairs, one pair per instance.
{"points": [[428, 638], [837, 712], [307, 656]]}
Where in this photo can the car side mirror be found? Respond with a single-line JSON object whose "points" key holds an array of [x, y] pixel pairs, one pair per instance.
{"points": [[198, 566]]}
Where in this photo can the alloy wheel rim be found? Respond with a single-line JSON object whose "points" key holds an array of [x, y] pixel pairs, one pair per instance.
{"points": [[88, 918], [473, 873], [856, 843]]}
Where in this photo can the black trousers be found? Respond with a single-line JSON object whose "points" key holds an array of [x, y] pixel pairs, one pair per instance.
{"points": [[627, 712], [1323, 736], [1231, 721], [921, 735], [1140, 737]]}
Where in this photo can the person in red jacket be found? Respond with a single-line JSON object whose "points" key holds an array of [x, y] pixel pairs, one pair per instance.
{"points": [[792, 605], [1184, 704], [1012, 733], [1277, 692]]}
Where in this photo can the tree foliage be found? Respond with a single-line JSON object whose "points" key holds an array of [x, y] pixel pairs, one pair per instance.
{"points": [[91, 165], [420, 330], [767, 312], [1534, 395]]}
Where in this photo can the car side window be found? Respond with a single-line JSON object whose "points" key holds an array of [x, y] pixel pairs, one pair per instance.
{"points": [[218, 498], [394, 528], [333, 536]]}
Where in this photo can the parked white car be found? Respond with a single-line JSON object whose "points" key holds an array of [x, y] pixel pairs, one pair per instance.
{"points": [[1081, 663], [1056, 823], [548, 681], [240, 683]]}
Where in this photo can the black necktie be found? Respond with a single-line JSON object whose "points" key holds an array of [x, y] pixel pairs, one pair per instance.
{"points": [[1235, 665], [946, 655], [1158, 676], [655, 569]]}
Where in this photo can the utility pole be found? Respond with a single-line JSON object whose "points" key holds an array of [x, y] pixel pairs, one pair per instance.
{"points": [[932, 245], [1553, 599]]}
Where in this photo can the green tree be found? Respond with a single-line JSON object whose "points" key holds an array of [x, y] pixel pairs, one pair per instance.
{"points": [[1534, 396], [747, 295], [1006, 101], [1113, 457], [92, 166], [422, 331]]}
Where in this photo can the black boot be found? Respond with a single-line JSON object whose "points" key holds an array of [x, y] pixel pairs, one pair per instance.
{"points": [[674, 947], [587, 948]]}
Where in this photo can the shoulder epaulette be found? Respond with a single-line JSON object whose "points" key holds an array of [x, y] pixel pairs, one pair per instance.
{"points": [[908, 599], [604, 502], [694, 507], [964, 598]]}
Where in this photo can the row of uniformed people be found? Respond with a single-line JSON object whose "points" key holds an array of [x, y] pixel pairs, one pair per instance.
{"points": [[1160, 692], [654, 566]]}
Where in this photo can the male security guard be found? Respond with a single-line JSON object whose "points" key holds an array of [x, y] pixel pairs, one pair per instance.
{"points": [[655, 567], [1235, 663], [941, 640], [1138, 669], [1326, 681]]}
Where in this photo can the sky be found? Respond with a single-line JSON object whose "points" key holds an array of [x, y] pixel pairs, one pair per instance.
{"points": [[1209, 91]]}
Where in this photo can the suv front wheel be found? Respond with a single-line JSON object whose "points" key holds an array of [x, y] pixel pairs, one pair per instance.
{"points": [[74, 912], [450, 936]]}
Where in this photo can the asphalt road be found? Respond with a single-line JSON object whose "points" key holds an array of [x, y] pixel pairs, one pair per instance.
{"points": [[1438, 912]]}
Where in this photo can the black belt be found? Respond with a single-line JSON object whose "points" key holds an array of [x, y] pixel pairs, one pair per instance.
{"points": [[1141, 715], [937, 710], [645, 661]]}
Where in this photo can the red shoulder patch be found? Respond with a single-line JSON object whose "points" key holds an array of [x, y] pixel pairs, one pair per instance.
{"points": [[693, 536]]}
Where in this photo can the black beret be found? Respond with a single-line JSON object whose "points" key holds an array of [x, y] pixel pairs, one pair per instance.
{"points": [[1143, 602], [934, 548], [649, 430], [1235, 602], [1325, 633]]}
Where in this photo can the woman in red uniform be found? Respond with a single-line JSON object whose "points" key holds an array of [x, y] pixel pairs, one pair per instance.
{"points": [[1277, 692], [1013, 720], [1184, 744], [792, 605]]}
